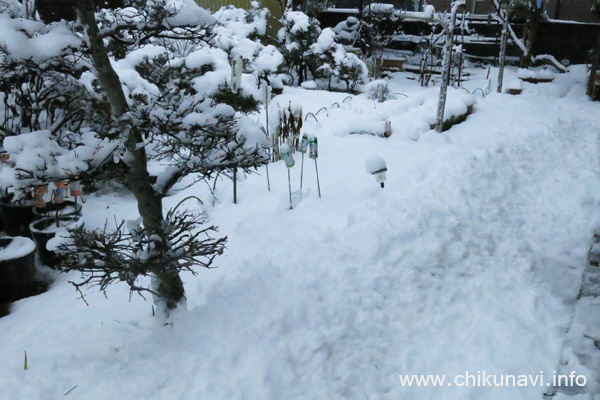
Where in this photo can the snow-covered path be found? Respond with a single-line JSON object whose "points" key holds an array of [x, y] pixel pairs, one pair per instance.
{"points": [[468, 260]]}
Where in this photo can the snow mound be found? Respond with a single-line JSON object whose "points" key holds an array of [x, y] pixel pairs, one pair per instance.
{"points": [[375, 164]]}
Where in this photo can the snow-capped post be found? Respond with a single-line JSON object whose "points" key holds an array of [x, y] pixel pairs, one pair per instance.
{"points": [[286, 154], [376, 166], [446, 65], [267, 101], [314, 153], [302, 148], [236, 74]]}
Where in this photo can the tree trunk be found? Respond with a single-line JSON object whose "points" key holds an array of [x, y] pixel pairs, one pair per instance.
{"points": [[168, 282], [532, 34], [595, 61]]}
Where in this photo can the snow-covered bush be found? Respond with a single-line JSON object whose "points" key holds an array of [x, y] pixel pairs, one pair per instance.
{"points": [[296, 37], [317, 54], [379, 90], [335, 63], [39, 157], [352, 70], [36, 98], [379, 26]]}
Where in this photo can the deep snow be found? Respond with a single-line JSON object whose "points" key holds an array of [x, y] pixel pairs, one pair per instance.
{"points": [[470, 259]]}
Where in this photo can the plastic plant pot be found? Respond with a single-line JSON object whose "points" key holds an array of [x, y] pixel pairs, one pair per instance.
{"points": [[67, 208], [45, 229], [17, 268], [16, 217]]}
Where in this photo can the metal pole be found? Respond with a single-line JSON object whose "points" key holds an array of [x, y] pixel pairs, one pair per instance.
{"points": [[301, 172], [268, 180], [269, 138], [290, 188], [235, 186], [318, 184]]}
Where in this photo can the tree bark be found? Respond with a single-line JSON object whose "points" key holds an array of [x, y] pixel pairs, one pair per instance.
{"points": [[532, 34], [168, 283], [109, 80], [595, 61]]}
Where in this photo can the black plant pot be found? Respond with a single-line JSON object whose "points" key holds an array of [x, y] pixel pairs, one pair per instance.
{"points": [[65, 209], [41, 233], [17, 268], [16, 217]]}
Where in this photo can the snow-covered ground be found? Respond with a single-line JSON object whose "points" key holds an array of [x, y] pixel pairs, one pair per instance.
{"points": [[469, 259]]}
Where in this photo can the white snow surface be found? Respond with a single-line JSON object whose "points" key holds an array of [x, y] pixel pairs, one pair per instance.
{"points": [[469, 260], [18, 247]]}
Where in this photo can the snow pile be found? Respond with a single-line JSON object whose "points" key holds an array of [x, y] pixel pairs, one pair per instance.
{"points": [[375, 164], [543, 74], [457, 104], [348, 30], [514, 84], [379, 8], [309, 85]]}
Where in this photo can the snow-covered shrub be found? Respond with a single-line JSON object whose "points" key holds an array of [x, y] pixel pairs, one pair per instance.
{"points": [[379, 90], [296, 37], [40, 157], [36, 98], [335, 64], [315, 54], [352, 70], [379, 26]]}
